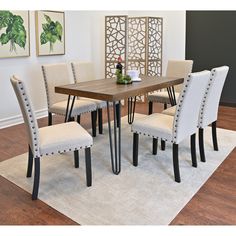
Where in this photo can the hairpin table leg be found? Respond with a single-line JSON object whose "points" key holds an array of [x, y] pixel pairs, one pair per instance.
{"points": [[116, 152], [171, 93], [131, 109], [69, 108]]}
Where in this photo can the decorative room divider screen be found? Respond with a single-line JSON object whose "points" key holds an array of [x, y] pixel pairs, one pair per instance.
{"points": [[138, 40]]}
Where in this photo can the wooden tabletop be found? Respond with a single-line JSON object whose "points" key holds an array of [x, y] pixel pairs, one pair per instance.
{"points": [[109, 90]]}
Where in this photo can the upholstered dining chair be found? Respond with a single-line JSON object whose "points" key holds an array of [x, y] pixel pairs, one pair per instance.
{"points": [[175, 128], [50, 140], [56, 75], [175, 68], [209, 107], [84, 71]]}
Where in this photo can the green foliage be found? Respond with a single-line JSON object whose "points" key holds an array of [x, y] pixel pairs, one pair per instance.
{"points": [[118, 75], [15, 30], [5, 18], [122, 79], [52, 31]]}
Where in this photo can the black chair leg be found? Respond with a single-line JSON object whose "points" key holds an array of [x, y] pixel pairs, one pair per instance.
{"points": [[193, 150], [201, 144], [154, 146], [135, 149], [163, 145], [118, 115], [94, 121], [214, 136], [100, 126], [88, 167], [36, 178], [78, 119], [49, 118], [165, 105], [30, 163], [76, 158], [150, 108], [176, 162]]}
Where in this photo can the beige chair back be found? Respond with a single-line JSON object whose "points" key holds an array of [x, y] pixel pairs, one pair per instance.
{"points": [[28, 114], [83, 71], [179, 68], [55, 75], [210, 103], [188, 106]]}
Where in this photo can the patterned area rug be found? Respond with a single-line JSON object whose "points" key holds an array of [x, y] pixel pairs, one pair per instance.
{"points": [[143, 195]]}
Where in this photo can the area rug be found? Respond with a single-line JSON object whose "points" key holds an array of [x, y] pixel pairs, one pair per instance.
{"points": [[143, 195]]}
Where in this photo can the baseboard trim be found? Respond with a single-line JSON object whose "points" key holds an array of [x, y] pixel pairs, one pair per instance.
{"points": [[228, 104], [15, 120]]}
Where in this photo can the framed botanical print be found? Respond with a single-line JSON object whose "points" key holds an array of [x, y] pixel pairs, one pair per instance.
{"points": [[14, 34], [50, 33]]}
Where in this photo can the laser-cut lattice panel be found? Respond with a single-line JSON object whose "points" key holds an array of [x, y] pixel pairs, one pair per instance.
{"points": [[137, 44], [115, 43], [137, 65], [138, 40], [145, 45], [154, 54], [154, 68]]}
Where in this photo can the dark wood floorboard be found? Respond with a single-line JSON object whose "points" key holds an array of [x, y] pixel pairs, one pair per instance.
{"points": [[214, 204], [17, 208]]}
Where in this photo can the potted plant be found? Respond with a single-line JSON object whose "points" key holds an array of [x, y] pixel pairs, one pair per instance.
{"points": [[122, 79]]}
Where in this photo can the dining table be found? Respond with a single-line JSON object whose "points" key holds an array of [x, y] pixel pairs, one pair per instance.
{"points": [[111, 92]]}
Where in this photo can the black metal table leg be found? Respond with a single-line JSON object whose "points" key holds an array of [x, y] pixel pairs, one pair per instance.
{"points": [[174, 98], [171, 93], [69, 109], [131, 109], [116, 152], [117, 114]]}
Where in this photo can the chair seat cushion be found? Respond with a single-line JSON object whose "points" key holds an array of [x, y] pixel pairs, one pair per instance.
{"points": [[80, 107], [156, 125], [161, 96], [170, 111], [99, 103], [63, 138]]}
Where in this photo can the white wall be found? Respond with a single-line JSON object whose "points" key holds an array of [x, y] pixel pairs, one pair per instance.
{"points": [[84, 41], [78, 46]]}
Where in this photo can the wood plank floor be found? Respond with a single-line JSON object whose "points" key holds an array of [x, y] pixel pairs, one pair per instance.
{"points": [[214, 203]]}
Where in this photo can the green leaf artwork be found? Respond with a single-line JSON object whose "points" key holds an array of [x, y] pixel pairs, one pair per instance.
{"points": [[52, 31], [15, 31]]}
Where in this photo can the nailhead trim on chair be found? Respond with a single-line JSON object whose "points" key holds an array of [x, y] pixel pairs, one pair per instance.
{"points": [[67, 150], [178, 108], [150, 135], [34, 138], [47, 93], [73, 71], [30, 117], [75, 81], [61, 114], [155, 98], [188, 69], [204, 100], [46, 85]]}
